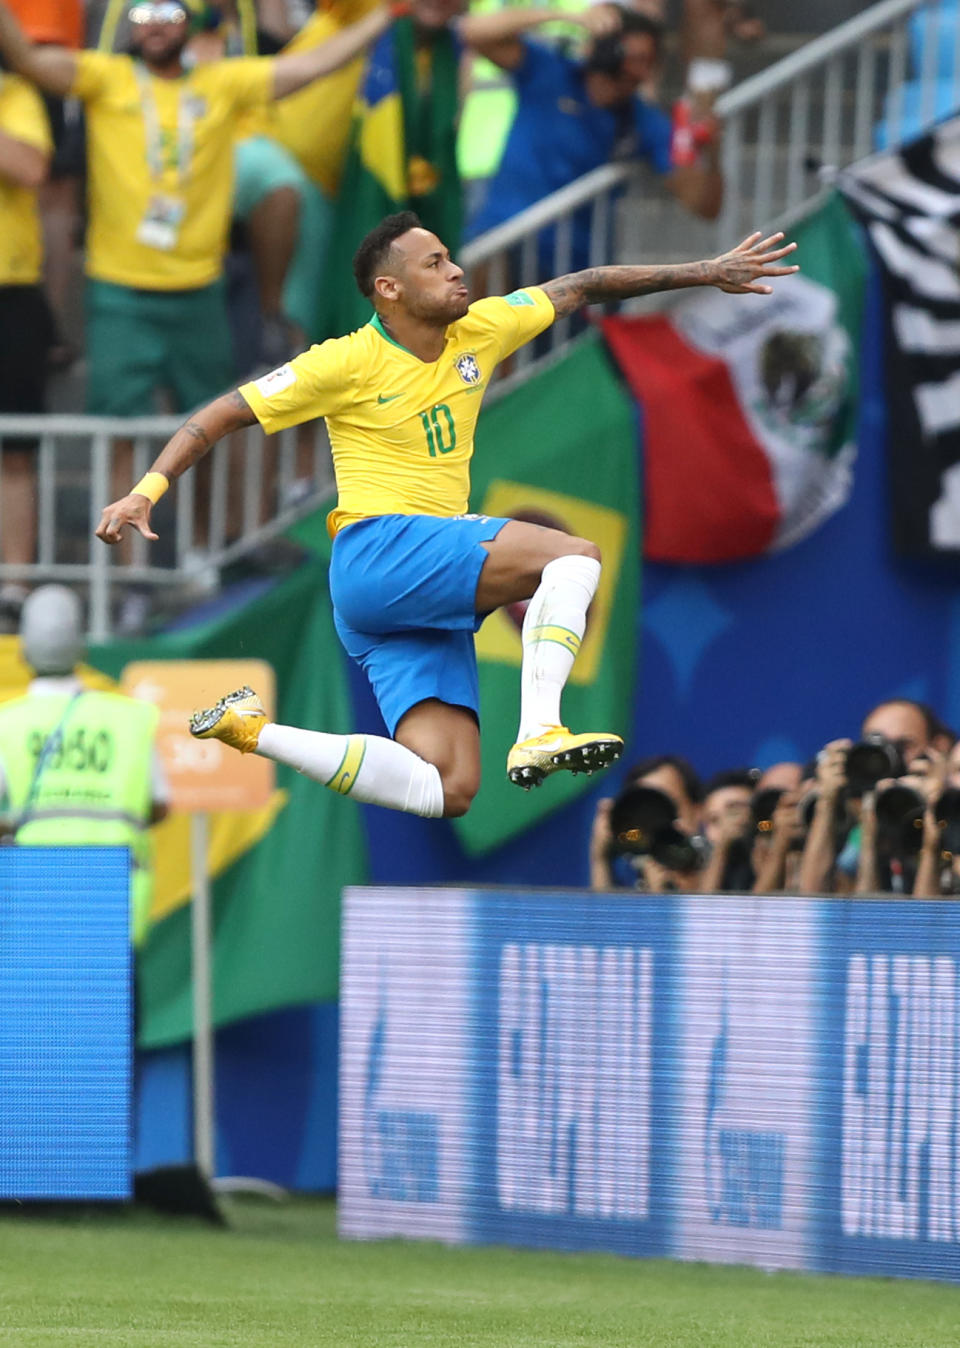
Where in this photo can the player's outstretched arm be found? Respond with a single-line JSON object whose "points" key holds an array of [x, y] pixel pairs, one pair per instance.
{"points": [[745, 270], [182, 450]]}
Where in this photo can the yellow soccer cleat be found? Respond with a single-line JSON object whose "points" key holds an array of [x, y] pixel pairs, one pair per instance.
{"points": [[236, 719], [529, 761]]}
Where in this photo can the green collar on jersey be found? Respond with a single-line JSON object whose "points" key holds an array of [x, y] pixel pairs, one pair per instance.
{"points": [[377, 325]]}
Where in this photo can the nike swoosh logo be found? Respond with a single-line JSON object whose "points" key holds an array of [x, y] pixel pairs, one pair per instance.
{"points": [[389, 398]]}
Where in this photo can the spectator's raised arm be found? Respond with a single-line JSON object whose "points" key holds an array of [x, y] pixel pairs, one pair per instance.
{"points": [[52, 69], [699, 186], [497, 36], [295, 70]]}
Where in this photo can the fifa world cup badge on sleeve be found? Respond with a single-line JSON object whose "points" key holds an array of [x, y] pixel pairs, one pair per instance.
{"points": [[276, 381]]}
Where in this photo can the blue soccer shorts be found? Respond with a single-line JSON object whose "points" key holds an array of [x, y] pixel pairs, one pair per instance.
{"points": [[404, 602]]}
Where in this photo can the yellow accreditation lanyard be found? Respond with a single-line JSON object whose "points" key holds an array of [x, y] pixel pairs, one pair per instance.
{"points": [[160, 226]]}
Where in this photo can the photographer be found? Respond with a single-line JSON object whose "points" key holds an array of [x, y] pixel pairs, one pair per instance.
{"points": [[941, 816], [868, 830], [666, 811], [728, 829], [899, 838], [818, 863], [779, 837], [911, 726]]}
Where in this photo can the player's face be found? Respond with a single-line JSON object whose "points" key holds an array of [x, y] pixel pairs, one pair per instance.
{"points": [[429, 283]]}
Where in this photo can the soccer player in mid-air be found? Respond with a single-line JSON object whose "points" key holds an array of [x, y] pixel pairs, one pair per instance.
{"points": [[412, 574]]}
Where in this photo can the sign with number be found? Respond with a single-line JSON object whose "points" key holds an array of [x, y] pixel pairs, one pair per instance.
{"points": [[204, 775]]}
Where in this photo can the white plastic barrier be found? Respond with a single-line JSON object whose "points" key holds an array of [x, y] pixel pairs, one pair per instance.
{"points": [[770, 1081]]}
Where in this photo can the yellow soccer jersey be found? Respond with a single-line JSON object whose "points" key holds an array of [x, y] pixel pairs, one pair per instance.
{"points": [[401, 429], [196, 117], [22, 116]]}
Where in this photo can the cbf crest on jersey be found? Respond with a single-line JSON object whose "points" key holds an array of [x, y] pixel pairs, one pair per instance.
{"points": [[468, 369]]}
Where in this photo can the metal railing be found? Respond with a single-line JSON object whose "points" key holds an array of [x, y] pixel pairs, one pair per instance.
{"points": [[548, 239], [247, 491], [873, 82]]}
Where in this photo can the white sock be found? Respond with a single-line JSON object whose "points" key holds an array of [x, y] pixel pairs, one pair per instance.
{"points": [[369, 768], [553, 628]]}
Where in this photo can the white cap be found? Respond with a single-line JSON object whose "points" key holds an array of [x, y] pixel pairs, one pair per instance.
{"points": [[51, 630]]}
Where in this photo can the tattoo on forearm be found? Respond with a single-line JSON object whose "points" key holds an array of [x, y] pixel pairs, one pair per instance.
{"points": [[598, 284], [245, 415], [198, 433]]}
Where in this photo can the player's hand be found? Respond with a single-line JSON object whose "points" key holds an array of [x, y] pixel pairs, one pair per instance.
{"points": [[743, 269], [133, 510]]}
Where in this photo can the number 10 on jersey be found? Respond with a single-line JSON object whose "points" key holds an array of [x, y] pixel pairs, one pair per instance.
{"points": [[440, 438]]}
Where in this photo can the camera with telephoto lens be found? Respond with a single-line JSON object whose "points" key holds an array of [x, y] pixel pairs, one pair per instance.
{"points": [[899, 821], [870, 761], [763, 807], [948, 817], [641, 822]]}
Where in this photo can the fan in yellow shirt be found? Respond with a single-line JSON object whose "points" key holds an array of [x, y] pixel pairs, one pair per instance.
{"points": [[23, 120], [285, 179], [25, 327], [327, 103], [160, 155]]}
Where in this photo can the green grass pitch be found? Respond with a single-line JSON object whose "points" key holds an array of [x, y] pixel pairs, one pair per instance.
{"points": [[278, 1277]]}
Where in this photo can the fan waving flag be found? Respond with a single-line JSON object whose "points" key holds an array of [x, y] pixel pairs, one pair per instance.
{"points": [[910, 203], [749, 403]]}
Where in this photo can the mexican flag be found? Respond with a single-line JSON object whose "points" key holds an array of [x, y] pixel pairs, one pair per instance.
{"points": [[560, 450], [749, 403]]}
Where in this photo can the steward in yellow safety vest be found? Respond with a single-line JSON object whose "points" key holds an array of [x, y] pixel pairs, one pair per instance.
{"points": [[78, 765]]}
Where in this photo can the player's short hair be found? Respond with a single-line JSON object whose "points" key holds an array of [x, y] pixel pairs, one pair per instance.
{"points": [[373, 252]]}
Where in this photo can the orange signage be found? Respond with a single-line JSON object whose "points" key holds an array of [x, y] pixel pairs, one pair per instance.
{"points": [[204, 775]]}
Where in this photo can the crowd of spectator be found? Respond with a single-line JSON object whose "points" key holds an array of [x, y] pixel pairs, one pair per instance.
{"points": [[153, 133], [875, 816]]}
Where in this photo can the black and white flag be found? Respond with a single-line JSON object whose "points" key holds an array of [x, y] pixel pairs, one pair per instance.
{"points": [[909, 201]]}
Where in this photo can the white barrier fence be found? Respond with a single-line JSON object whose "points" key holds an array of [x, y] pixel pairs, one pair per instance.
{"points": [[245, 493], [769, 1081]]}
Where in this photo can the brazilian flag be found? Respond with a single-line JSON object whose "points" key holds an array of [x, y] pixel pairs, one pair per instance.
{"points": [[561, 450], [402, 156], [279, 874]]}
